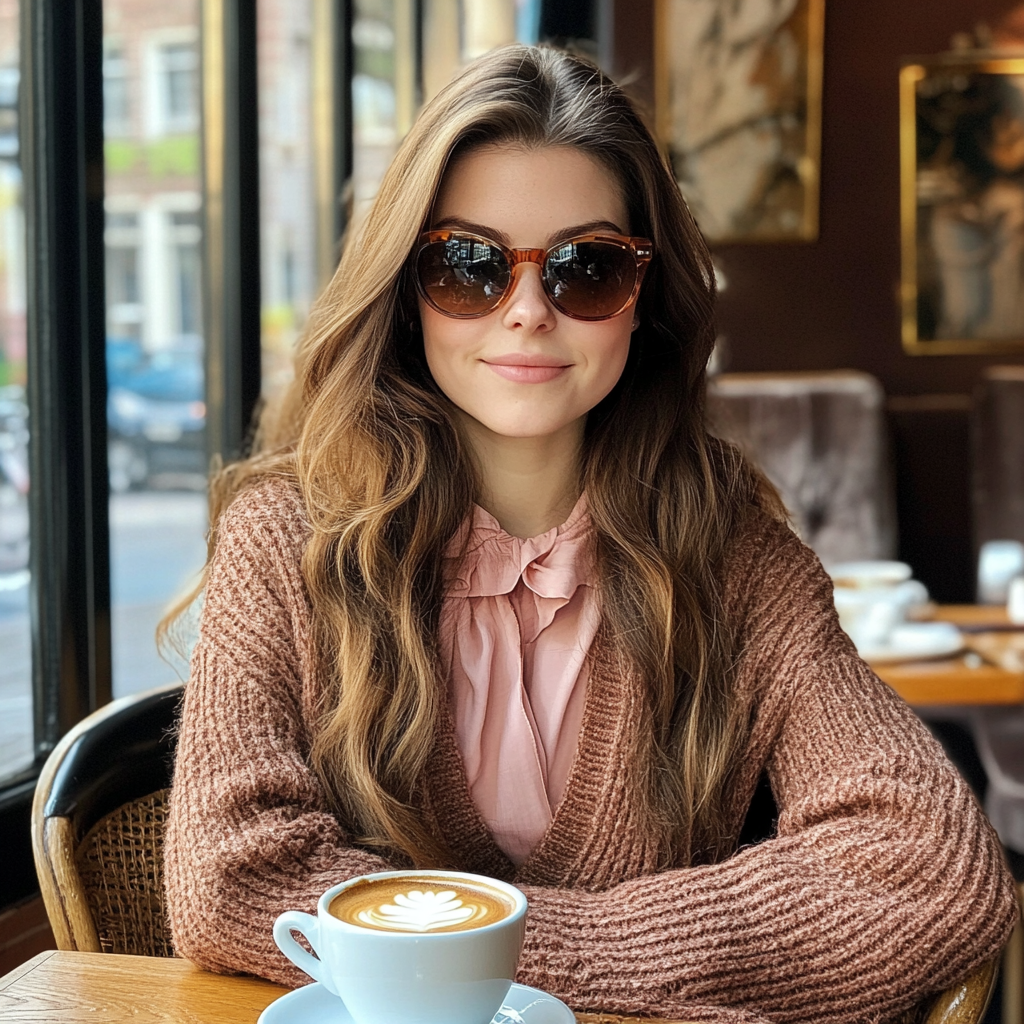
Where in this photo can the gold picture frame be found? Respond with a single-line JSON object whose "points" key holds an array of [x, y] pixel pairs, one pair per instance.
{"points": [[738, 90], [962, 204]]}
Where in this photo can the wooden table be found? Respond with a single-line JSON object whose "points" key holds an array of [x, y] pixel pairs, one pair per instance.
{"points": [[104, 988], [110, 988], [991, 672]]}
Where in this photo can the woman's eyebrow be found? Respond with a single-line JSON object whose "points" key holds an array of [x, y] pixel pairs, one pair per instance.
{"points": [[592, 227], [473, 228], [589, 228]]}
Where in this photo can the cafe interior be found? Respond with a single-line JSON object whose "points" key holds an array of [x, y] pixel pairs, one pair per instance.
{"points": [[176, 179]]}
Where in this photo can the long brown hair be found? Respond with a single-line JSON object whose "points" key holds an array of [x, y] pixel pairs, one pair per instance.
{"points": [[369, 441]]}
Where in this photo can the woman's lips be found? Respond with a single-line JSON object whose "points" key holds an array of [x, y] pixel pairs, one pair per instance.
{"points": [[539, 370]]}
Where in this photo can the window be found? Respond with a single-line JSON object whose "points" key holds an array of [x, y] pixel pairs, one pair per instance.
{"points": [[382, 44], [406, 52], [186, 235], [287, 139], [124, 302], [17, 749], [156, 410], [177, 87], [127, 90], [116, 102], [9, 81]]}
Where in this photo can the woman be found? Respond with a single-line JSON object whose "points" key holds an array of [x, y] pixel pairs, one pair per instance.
{"points": [[489, 597]]}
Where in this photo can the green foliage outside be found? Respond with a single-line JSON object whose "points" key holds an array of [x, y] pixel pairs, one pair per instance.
{"points": [[11, 371], [175, 156]]}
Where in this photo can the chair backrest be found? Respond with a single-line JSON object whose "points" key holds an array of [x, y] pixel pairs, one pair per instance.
{"points": [[97, 827], [966, 1002], [821, 440]]}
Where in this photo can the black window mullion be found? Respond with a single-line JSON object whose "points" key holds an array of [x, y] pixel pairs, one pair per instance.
{"points": [[62, 167], [332, 128], [232, 222]]}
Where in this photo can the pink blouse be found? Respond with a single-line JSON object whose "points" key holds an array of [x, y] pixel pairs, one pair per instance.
{"points": [[516, 626]]}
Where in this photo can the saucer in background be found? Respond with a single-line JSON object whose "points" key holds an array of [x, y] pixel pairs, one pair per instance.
{"points": [[915, 641], [313, 1004]]}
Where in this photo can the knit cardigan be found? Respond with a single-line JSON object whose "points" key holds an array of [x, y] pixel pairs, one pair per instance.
{"points": [[884, 882]]}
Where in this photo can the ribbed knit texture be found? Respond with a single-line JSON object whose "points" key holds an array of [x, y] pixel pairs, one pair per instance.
{"points": [[885, 882]]}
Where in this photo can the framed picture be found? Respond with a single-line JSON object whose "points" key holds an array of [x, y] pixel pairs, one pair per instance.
{"points": [[962, 204], [738, 110]]}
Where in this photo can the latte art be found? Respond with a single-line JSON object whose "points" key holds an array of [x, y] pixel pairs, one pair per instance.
{"points": [[421, 912], [420, 905]]}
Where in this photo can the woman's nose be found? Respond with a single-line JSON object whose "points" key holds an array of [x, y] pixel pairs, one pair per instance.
{"points": [[528, 307]]}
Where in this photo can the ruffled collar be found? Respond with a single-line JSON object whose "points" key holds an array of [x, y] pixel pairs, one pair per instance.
{"points": [[485, 561]]}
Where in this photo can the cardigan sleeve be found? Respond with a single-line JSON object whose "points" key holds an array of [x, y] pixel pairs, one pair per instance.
{"points": [[884, 884], [249, 835]]}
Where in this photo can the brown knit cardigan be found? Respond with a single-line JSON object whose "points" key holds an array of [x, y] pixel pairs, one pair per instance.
{"points": [[884, 883]]}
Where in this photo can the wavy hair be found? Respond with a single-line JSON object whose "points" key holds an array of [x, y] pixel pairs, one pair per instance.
{"points": [[370, 442]]}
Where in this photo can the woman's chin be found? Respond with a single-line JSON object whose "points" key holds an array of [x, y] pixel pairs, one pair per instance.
{"points": [[523, 426]]}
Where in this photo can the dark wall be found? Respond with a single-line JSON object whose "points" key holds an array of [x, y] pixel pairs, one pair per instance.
{"points": [[833, 304]]}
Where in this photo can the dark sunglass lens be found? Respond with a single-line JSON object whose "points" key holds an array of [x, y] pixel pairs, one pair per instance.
{"points": [[590, 279], [462, 276]]}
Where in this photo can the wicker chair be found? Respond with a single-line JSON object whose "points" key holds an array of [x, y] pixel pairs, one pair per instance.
{"points": [[97, 827], [965, 1003], [97, 832]]}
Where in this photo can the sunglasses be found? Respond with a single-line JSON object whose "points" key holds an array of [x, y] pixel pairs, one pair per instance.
{"points": [[590, 277]]}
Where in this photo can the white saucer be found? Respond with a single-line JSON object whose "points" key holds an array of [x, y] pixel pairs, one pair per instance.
{"points": [[313, 1004], [915, 641]]}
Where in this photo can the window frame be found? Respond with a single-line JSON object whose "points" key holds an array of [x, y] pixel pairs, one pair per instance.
{"points": [[61, 138], [61, 147]]}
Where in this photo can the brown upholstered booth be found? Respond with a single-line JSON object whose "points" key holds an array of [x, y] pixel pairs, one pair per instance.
{"points": [[821, 439]]}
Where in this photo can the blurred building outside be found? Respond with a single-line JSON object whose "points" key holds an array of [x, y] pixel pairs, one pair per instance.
{"points": [[152, 154], [16, 750], [287, 193], [156, 398], [385, 91]]}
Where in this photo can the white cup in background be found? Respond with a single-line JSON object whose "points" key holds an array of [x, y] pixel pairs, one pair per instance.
{"points": [[1015, 601], [873, 598], [999, 561], [870, 616], [869, 574]]}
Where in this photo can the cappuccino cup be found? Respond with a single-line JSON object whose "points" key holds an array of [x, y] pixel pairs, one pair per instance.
{"points": [[412, 947]]}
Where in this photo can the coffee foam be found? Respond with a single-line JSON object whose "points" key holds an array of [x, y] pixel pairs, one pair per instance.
{"points": [[420, 904]]}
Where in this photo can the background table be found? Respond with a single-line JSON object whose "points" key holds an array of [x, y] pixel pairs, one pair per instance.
{"points": [[989, 673]]}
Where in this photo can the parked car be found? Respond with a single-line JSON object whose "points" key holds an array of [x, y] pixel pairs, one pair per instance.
{"points": [[156, 415], [124, 357]]}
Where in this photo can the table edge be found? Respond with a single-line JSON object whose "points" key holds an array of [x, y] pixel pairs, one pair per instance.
{"points": [[26, 968]]}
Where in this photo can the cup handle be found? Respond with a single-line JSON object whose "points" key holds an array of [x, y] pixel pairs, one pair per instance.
{"points": [[308, 927]]}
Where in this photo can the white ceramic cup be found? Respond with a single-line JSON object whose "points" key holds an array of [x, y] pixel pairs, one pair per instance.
{"points": [[1015, 601], [870, 615], [873, 598], [394, 977]]}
